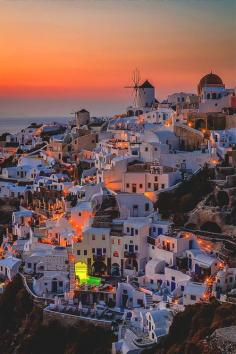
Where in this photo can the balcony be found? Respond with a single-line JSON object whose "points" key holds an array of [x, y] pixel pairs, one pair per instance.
{"points": [[132, 254], [99, 258]]}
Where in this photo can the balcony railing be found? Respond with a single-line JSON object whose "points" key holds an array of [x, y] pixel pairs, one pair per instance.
{"points": [[99, 258], [128, 254]]}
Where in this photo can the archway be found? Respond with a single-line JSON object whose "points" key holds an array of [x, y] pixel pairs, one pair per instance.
{"points": [[211, 227], [99, 268], [115, 269], [200, 124], [131, 264]]}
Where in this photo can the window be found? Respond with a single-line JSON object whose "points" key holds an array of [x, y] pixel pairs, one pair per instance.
{"points": [[60, 284], [140, 186], [149, 185], [136, 248], [113, 241], [93, 250], [156, 179], [45, 284], [127, 185], [136, 232], [162, 186], [182, 288], [103, 237], [193, 297], [104, 250], [146, 206], [173, 278], [79, 213], [128, 229], [156, 187], [93, 237], [78, 252], [119, 241], [29, 265], [151, 281], [146, 148], [85, 252]]}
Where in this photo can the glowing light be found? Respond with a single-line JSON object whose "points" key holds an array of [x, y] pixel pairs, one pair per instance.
{"points": [[81, 272]]}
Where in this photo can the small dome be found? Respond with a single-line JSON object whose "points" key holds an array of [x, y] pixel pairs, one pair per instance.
{"points": [[210, 80]]}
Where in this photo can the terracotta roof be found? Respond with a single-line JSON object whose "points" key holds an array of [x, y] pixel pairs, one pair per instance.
{"points": [[210, 80]]}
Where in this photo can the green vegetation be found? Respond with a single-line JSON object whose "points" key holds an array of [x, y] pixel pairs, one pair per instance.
{"points": [[22, 330]]}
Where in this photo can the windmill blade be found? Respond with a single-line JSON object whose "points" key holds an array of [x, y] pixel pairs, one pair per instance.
{"points": [[136, 78]]}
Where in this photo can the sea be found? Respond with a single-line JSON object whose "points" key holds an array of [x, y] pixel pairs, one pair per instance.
{"points": [[16, 124]]}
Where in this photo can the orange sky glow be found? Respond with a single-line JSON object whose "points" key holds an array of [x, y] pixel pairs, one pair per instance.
{"points": [[80, 52]]}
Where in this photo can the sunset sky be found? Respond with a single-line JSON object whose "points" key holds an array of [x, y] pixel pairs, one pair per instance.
{"points": [[60, 55]]}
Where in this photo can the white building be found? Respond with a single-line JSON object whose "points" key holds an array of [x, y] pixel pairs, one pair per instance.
{"points": [[194, 292], [9, 267]]}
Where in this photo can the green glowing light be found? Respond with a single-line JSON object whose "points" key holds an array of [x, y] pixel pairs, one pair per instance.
{"points": [[81, 272]]}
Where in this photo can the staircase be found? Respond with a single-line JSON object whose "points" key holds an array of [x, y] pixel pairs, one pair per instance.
{"points": [[149, 301]]}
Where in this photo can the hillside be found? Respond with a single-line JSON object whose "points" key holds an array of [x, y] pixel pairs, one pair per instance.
{"points": [[22, 330], [190, 330]]}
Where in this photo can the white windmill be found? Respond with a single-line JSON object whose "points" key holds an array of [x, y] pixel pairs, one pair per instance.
{"points": [[135, 86], [144, 94]]}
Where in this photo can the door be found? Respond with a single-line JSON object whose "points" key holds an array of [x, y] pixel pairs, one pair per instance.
{"points": [[172, 286], [131, 248], [134, 188], [190, 263], [54, 286], [197, 269]]}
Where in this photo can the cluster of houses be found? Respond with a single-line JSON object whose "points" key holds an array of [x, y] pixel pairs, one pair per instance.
{"points": [[87, 230]]}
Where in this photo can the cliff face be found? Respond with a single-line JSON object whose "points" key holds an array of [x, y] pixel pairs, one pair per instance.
{"points": [[22, 330], [191, 330]]}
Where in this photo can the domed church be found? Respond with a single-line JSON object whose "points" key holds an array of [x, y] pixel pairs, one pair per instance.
{"points": [[213, 96], [211, 87]]}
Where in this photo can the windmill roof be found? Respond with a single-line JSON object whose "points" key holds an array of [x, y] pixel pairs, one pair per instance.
{"points": [[146, 84]]}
